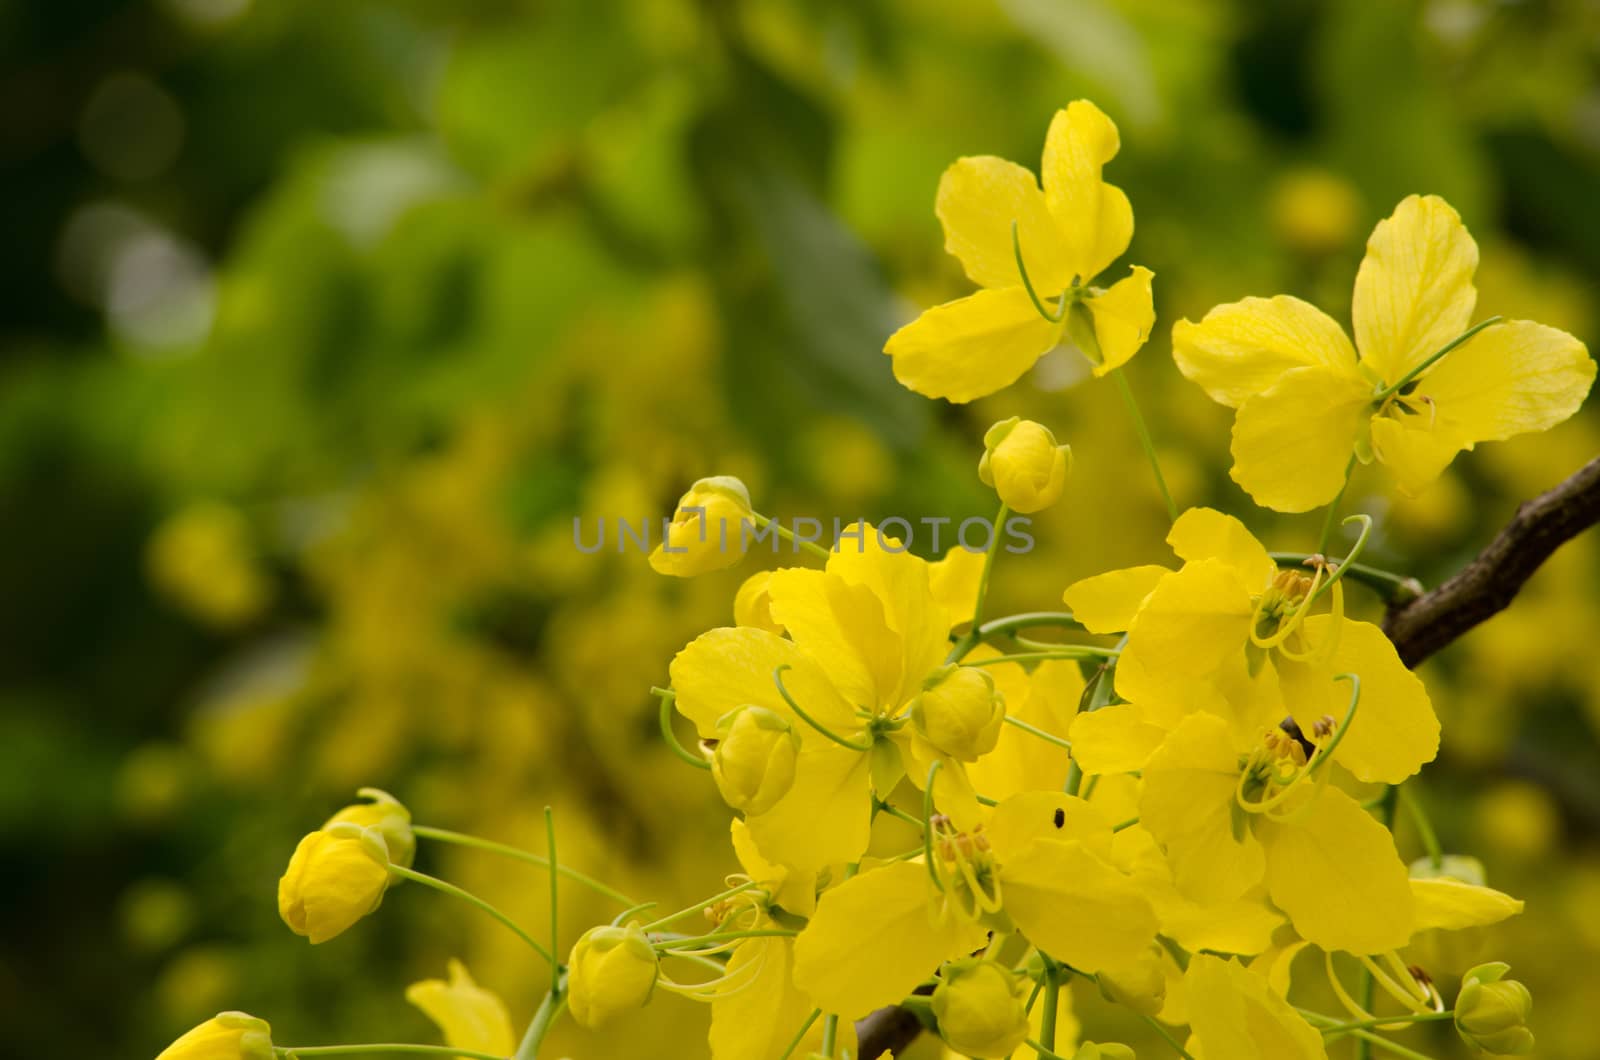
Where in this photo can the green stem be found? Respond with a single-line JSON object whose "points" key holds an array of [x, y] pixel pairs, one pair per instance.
{"points": [[1419, 817], [1040, 733], [1387, 1021], [471, 899], [788, 535], [1027, 620], [1071, 651], [898, 814], [1027, 284], [1052, 998], [1367, 1038], [1145, 441], [1391, 588], [555, 920], [1123, 826], [1389, 391], [668, 696], [800, 712], [290, 1052], [927, 826], [549, 1009], [1333, 508], [726, 936], [1166, 1037], [830, 1035], [462, 839], [800, 1035], [970, 639]]}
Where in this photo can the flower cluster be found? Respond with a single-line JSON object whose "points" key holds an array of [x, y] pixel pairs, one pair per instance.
{"points": [[1188, 786]]}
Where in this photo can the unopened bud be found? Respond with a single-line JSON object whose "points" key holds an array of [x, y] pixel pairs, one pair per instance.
{"points": [[1492, 1011], [981, 1008], [707, 531], [389, 816], [960, 712], [754, 762], [226, 1036], [1023, 463], [612, 970], [1103, 1051]]}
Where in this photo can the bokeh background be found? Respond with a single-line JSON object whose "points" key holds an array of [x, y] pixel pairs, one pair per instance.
{"points": [[322, 322]]}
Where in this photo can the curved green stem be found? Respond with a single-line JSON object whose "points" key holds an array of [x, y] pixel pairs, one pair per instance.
{"points": [[1391, 588], [1355, 550], [1066, 651], [691, 910], [1033, 730], [668, 696], [1027, 284], [1145, 442], [1027, 620], [1389, 391], [1419, 817], [800, 1035], [1166, 1036], [974, 634], [789, 535], [555, 919], [777, 679], [725, 936], [1333, 506], [927, 825], [462, 839], [471, 899]]}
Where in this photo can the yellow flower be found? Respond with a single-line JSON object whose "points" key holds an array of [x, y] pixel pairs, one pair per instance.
{"points": [[754, 762], [863, 634], [1236, 1015], [612, 970], [1326, 862], [226, 1036], [468, 1016], [1040, 864], [960, 712], [389, 816], [1307, 400], [1067, 234], [708, 530], [1230, 633], [1023, 463], [752, 604], [336, 876], [981, 1008]]}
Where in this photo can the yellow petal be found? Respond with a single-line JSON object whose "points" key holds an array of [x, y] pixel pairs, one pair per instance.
{"points": [[1047, 699], [1094, 219], [874, 938], [468, 1016], [1205, 533], [759, 1015], [794, 891], [1123, 318], [1025, 819], [1075, 906], [1194, 620], [1242, 926], [1236, 1015], [1415, 449], [1106, 603], [1395, 731], [1187, 804], [826, 818], [979, 199], [1454, 906], [732, 666], [1293, 441], [833, 620], [1510, 379], [1242, 348], [902, 586], [973, 346], [954, 581], [1114, 739], [1334, 870], [1414, 289]]}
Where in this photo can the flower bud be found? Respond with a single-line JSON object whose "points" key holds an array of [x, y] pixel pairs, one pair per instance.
{"points": [[960, 712], [612, 970], [707, 531], [981, 1008], [1023, 463], [754, 762], [336, 876], [1492, 1012], [1103, 1051], [226, 1036], [388, 816], [1139, 986]]}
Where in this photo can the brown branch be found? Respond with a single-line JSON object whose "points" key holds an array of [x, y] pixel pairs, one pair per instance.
{"points": [[1488, 584], [1427, 623]]}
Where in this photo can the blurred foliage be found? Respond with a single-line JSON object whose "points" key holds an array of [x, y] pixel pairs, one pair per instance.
{"points": [[324, 321]]}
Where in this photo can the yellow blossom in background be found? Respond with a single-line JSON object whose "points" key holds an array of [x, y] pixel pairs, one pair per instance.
{"points": [[1309, 401], [204, 558], [1068, 234], [468, 1016]]}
